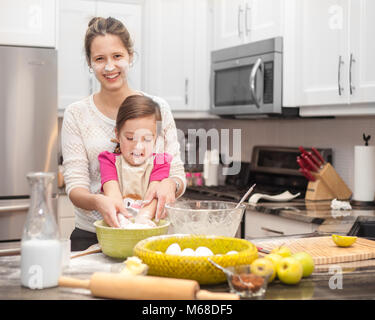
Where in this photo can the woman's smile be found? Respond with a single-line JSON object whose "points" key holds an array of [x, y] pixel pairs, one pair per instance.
{"points": [[112, 77]]}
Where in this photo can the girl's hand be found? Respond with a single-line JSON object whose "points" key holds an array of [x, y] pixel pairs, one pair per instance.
{"points": [[108, 208], [165, 192]]}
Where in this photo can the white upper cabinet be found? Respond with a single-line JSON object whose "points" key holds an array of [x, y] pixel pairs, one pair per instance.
{"points": [[177, 53], [75, 81], [131, 16], [362, 51], [228, 20], [241, 21], [320, 52], [329, 52], [28, 23], [264, 19]]}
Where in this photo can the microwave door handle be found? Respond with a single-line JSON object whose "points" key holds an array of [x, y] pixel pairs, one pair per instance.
{"points": [[258, 65]]}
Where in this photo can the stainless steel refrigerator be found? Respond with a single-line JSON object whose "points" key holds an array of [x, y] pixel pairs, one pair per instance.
{"points": [[28, 129]]}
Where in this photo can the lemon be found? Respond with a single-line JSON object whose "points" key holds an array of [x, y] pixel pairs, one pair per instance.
{"points": [[343, 241]]}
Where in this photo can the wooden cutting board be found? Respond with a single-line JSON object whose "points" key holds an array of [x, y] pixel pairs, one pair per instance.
{"points": [[323, 250]]}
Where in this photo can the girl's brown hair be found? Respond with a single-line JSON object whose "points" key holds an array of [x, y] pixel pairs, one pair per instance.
{"points": [[133, 107], [99, 26]]}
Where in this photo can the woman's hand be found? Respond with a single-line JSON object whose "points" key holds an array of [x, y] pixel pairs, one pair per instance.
{"points": [[165, 192], [108, 208]]}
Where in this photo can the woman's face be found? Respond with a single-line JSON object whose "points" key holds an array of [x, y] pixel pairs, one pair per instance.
{"points": [[137, 139], [110, 61]]}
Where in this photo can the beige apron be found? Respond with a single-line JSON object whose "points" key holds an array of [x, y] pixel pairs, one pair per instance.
{"points": [[133, 180]]}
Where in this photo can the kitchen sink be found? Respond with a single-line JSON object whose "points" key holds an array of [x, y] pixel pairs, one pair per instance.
{"points": [[363, 227]]}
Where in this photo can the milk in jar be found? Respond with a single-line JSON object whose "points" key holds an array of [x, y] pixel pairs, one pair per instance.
{"points": [[41, 252]]}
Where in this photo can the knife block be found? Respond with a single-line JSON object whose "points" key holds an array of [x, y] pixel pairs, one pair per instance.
{"points": [[327, 186]]}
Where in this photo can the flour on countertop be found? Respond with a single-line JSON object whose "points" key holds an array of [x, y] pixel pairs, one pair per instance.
{"points": [[340, 205]]}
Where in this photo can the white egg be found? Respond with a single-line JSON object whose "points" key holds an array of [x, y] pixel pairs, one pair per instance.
{"points": [[188, 252], [232, 252], [203, 252], [174, 248]]}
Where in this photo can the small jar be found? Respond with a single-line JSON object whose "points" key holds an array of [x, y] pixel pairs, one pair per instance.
{"points": [[189, 179], [198, 179]]}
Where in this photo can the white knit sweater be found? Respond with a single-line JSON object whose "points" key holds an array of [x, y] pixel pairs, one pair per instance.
{"points": [[86, 132]]}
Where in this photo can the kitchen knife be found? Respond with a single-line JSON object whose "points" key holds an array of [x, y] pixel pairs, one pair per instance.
{"points": [[310, 156], [303, 151], [310, 162], [263, 250], [317, 153], [302, 163], [307, 174], [314, 159]]}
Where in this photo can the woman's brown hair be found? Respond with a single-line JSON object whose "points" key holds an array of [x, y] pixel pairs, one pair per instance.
{"points": [[134, 107], [99, 26]]}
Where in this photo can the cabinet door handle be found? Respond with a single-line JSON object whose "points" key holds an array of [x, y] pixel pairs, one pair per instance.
{"points": [[271, 230], [186, 91], [239, 21], [341, 89], [352, 88], [247, 9]]}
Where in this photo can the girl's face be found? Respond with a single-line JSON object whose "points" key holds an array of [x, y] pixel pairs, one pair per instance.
{"points": [[110, 61], [137, 139]]}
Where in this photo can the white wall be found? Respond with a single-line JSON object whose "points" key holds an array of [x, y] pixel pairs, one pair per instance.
{"points": [[340, 134]]}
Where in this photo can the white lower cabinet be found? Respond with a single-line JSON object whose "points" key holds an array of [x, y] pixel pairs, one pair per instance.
{"points": [[65, 216], [260, 225]]}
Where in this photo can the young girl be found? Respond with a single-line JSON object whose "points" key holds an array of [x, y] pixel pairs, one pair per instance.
{"points": [[127, 172]]}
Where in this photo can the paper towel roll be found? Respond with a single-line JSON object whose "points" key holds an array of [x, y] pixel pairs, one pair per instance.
{"points": [[364, 173]]}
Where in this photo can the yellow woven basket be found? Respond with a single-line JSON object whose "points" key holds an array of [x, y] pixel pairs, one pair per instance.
{"points": [[190, 267]]}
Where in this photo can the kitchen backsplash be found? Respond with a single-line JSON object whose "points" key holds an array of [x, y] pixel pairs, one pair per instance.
{"points": [[340, 134]]}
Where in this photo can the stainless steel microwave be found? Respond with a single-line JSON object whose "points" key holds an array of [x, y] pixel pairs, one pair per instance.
{"points": [[247, 79]]}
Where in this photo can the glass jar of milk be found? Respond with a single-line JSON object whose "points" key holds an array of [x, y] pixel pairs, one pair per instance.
{"points": [[41, 251]]}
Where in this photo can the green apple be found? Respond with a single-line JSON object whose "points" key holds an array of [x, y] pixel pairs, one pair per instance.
{"points": [[289, 270], [307, 262], [275, 258], [264, 268], [282, 251]]}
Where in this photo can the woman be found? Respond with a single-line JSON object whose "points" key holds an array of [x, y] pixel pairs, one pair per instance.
{"points": [[88, 129]]}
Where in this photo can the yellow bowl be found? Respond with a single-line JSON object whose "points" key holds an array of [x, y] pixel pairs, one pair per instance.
{"points": [[119, 243], [192, 267]]}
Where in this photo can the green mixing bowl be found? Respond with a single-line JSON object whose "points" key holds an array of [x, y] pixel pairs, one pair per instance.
{"points": [[119, 243]]}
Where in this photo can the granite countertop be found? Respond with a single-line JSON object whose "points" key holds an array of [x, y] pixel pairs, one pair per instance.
{"points": [[320, 213], [357, 279]]}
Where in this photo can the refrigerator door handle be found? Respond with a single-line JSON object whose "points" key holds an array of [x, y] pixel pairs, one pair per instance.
{"points": [[13, 208]]}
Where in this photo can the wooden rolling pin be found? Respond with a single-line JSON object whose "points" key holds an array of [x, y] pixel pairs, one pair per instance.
{"points": [[118, 286]]}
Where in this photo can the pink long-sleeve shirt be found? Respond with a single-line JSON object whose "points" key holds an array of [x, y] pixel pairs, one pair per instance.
{"points": [[108, 172]]}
